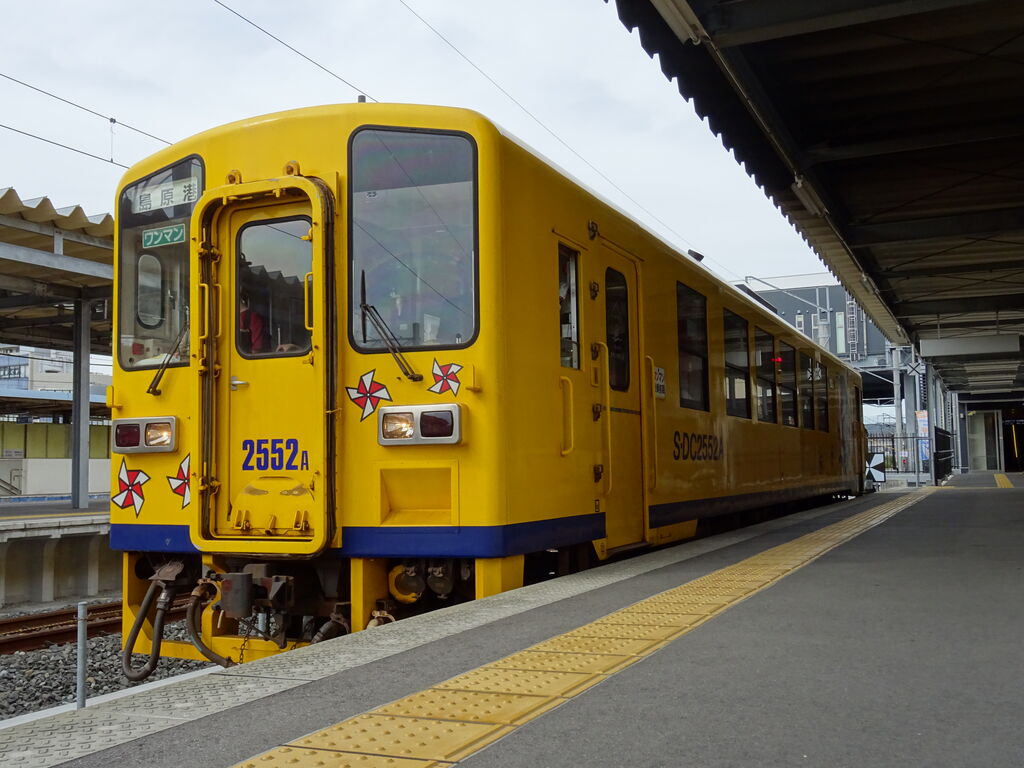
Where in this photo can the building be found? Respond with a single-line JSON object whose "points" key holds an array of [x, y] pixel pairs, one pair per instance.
{"points": [[821, 309]]}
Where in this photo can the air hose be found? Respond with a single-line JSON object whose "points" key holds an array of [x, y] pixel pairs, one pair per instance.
{"points": [[195, 602], [162, 606]]}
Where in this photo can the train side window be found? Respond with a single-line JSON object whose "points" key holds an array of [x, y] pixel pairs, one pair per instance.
{"points": [[273, 258], [568, 306], [737, 366], [616, 307], [787, 383], [806, 391], [692, 315], [764, 362], [821, 396]]}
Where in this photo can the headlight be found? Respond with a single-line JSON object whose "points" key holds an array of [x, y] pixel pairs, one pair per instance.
{"points": [[155, 434], [159, 433], [398, 426], [438, 424]]}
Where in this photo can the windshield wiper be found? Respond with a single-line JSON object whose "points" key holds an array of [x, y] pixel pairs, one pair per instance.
{"points": [[152, 389], [385, 333]]}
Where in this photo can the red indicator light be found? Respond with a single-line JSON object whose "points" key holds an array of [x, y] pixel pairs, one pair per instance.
{"points": [[776, 359], [437, 424], [127, 435]]}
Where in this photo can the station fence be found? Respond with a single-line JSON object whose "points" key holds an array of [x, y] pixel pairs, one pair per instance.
{"points": [[914, 458]]}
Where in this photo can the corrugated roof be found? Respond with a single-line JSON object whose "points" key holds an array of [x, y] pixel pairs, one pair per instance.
{"points": [[42, 211]]}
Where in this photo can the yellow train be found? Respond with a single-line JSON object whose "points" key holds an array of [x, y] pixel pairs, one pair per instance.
{"points": [[371, 358]]}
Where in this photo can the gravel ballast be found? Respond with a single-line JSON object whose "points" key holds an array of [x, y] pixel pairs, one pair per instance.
{"points": [[35, 680]]}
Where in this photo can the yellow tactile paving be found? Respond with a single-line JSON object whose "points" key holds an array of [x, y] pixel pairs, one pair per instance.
{"points": [[595, 663], [459, 716], [290, 757], [576, 644], [625, 631], [529, 681], [420, 738], [471, 706], [1002, 481]]}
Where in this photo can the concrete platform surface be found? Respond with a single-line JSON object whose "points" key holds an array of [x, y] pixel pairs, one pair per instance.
{"points": [[841, 637], [51, 509]]}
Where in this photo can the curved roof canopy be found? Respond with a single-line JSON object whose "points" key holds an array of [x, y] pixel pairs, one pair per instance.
{"points": [[889, 132]]}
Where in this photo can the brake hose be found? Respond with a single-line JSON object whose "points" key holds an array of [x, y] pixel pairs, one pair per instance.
{"points": [[162, 606], [192, 624]]}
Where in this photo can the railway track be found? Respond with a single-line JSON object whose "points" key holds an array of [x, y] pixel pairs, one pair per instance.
{"points": [[38, 630]]}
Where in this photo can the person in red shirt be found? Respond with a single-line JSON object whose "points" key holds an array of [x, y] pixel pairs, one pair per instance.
{"points": [[253, 335]]}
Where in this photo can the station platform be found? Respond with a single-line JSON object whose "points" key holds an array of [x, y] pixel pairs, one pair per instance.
{"points": [[879, 631]]}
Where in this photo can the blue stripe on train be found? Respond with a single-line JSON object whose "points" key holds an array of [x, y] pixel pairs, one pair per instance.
{"points": [[133, 537], [439, 541]]}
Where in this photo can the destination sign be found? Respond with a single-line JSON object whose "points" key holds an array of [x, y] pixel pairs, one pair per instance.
{"points": [[152, 197]]}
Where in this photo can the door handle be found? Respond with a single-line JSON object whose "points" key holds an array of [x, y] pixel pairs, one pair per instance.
{"points": [[237, 382]]}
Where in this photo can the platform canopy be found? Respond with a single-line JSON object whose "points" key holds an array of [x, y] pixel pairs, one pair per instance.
{"points": [[49, 258], [889, 132]]}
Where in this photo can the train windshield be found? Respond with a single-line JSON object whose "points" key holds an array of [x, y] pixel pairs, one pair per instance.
{"points": [[413, 238], [153, 222]]}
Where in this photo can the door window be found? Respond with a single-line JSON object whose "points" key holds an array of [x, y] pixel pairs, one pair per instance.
{"points": [[274, 259], [568, 312], [617, 328]]}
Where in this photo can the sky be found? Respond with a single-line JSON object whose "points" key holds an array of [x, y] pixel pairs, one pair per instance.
{"points": [[176, 68]]}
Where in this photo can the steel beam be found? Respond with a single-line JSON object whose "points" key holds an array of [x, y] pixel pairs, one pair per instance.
{"points": [[830, 153], [80, 408], [731, 24], [954, 269], [16, 222], [973, 224], [58, 261], [953, 306]]}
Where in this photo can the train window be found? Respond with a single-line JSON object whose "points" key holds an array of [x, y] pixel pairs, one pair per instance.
{"points": [[692, 315], [273, 258], [737, 366], [764, 364], [413, 238], [152, 266], [149, 304], [821, 396], [787, 383], [806, 391], [616, 317], [568, 306]]}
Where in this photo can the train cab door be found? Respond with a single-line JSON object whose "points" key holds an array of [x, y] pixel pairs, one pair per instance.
{"points": [[615, 355], [267, 425]]}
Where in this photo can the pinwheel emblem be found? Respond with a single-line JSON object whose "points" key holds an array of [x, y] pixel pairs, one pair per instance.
{"points": [[368, 394]]}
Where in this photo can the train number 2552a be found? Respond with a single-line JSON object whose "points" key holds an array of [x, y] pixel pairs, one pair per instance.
{"points": [[277, 454]]}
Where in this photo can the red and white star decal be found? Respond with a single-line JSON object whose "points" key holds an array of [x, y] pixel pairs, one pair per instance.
{"points": [[368, 394], [445, 378], [129, 488], [180, 484]]}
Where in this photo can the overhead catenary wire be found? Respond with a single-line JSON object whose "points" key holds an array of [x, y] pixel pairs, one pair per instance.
{"points": [[554, 135], [112, 120], [65, 146], [294, 50]]}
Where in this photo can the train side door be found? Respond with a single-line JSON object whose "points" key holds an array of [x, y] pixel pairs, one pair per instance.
{"points": [[266, 414], [616, 358]]}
